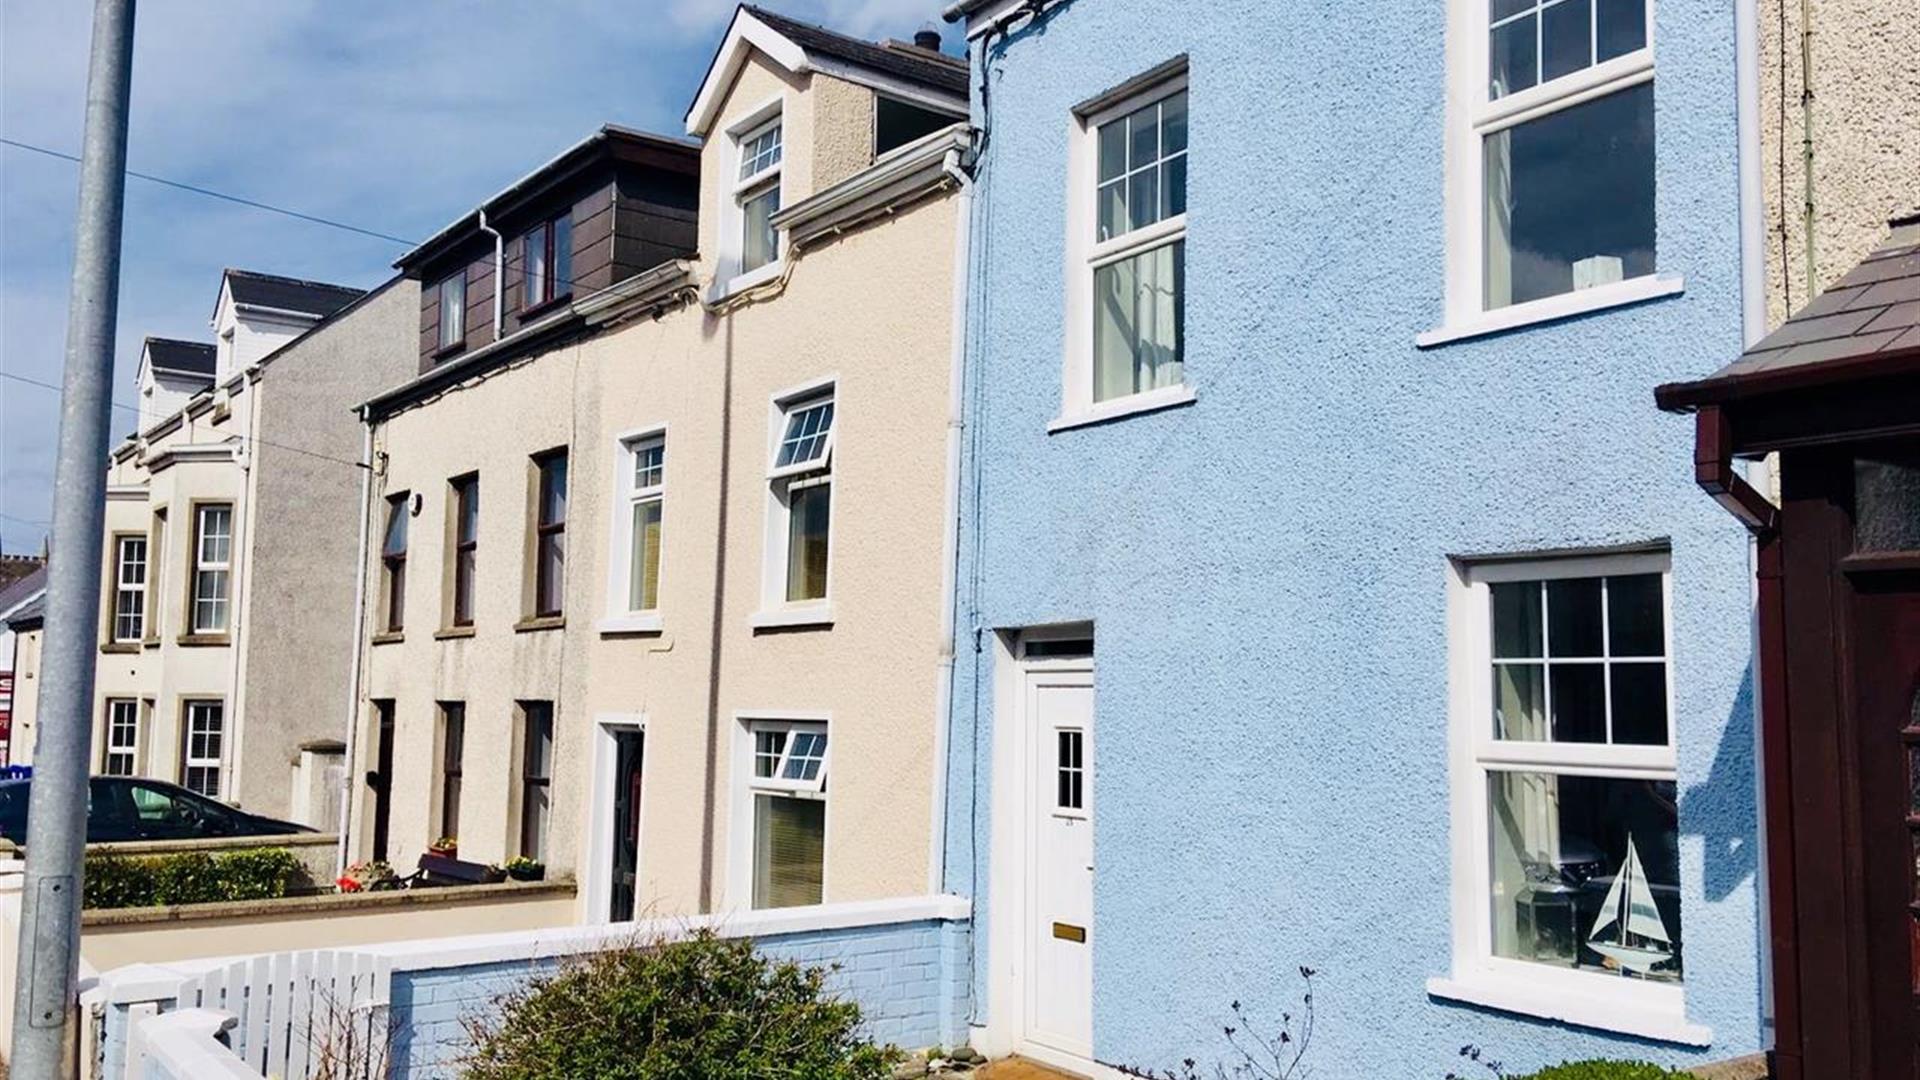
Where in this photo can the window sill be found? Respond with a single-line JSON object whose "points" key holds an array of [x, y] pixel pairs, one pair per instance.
{"points": [[818, 615], [388, 637], [1167, 397], [445, 352], [1529, 998], [1565, 306], [120, 647], [150, 643], [645, 622], [453, 633], [740, 283], [540, 622], [197, 641], [536, 310]]}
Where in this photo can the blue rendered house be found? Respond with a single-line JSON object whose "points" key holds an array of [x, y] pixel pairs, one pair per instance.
{"points": [[1331, 592]]}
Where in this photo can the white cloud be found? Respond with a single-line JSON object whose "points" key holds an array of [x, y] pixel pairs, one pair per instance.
{"points": [[395, 117]]}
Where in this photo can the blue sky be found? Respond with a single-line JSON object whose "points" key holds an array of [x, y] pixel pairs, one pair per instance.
{"points": [[397, 117]]}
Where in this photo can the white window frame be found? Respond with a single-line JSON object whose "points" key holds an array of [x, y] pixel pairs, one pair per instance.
{"points": [[1086, 254], [110, 748], [1471, 116], [1608, 1002], [748, 723], [620, 617], [775, 609], [192, 711], [203, 565], [123, 589], [734, 190]]}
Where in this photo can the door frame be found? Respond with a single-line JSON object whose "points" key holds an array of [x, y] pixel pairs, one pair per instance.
{"points": [[597, 873], [1008, 922]]}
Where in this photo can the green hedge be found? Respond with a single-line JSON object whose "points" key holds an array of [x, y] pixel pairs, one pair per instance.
{"points": [[189, 877], [1605, 1070]]}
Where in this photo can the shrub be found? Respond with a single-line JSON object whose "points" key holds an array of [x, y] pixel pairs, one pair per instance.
{"points": [[189, 877], [1605, 1070], [1572, 1070], [1278, 1054], [698, 1007]]}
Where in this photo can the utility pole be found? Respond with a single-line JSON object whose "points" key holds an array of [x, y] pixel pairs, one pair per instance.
{"points": [[49, 956]]}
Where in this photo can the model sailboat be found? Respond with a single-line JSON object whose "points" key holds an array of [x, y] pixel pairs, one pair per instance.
{"points": [[1629, 930]]}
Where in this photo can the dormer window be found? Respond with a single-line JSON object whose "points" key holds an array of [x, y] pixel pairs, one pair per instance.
{"points": [[757, 192], [453, 310], [546, 262]]}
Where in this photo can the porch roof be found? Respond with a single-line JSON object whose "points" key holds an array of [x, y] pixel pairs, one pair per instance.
{"points": [[1865, 325]]}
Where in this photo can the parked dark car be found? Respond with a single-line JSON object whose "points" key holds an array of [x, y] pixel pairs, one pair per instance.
{"points": [[129, 808]]}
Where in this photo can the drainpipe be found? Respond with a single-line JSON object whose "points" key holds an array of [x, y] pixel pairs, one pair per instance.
{"points": [[950, 555], [1753, 238], [237, 614], [499, 275], [347, 788], [1714, 471], [1753, 317]]}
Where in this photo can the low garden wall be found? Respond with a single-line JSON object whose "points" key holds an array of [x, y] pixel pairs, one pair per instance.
{"points": [[904, 961], [116, 937]]}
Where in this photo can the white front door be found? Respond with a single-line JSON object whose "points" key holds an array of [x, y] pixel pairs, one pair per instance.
{"points": [[1059, 991]]}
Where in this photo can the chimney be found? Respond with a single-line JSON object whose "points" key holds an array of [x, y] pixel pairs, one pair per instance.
{"points": [[927, 38]]}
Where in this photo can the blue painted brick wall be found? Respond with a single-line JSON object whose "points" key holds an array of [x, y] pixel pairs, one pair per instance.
{"points": [[910, 980]]}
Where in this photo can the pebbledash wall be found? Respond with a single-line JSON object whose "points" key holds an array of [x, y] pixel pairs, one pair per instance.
{"points": [[904, 962], [1267, 569]]}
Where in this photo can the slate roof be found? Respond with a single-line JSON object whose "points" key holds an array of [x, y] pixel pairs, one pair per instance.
{"points": [[181, 357], [24, 595], [29, 615], [316, 298], [909, 62], [1869, 320]]}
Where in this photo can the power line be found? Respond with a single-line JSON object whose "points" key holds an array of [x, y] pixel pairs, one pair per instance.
{"points": [[212, 194], [247, 438]]}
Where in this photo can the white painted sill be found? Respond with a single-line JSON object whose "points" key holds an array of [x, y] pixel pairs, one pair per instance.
{"points": [[643, 622], [1548, 309], [809, 615], [1167, 397], [740, 283], [1529, 998]]}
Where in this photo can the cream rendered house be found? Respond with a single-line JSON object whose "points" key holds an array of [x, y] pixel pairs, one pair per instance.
{"points": [[227, 567], [669, 553]]}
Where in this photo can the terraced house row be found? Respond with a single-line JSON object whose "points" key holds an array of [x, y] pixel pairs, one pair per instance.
{"points": [[1183, 488]]}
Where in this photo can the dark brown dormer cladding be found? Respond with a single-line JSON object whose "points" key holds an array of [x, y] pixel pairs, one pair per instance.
{"points": [[630, 202]]}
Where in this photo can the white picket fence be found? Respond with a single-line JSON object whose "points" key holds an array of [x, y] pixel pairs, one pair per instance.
{"points": [[292, 1011]]}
